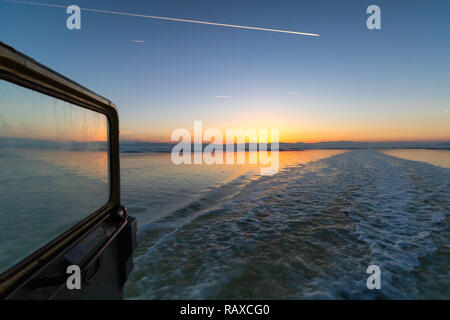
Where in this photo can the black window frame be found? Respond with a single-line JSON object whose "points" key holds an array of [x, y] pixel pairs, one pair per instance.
{"points": [[22, 70]]}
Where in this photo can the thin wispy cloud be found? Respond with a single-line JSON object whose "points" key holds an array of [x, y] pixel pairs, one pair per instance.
{"points": [[223, 97], [138, 41], [170, 19]]}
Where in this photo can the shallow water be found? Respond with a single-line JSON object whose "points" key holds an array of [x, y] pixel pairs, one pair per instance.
{"points": [[45, 192], [440, 158], [153, 187], [308, 232], [224, 231]]}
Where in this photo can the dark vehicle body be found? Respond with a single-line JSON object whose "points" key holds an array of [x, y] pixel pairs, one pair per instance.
{"points": [[101, 244]]}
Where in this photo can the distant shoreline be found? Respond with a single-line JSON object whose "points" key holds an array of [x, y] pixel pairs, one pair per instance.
{"points": [[285, 150], [163, 147]]}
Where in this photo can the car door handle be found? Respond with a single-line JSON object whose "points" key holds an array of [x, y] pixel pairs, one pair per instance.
{"points": [[95, 260]]}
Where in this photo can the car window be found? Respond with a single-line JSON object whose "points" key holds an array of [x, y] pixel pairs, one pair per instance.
{"points": [[54, 169]]}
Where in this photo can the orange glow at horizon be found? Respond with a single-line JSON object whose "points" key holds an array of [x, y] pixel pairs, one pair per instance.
{"points": [[306, 138], [293, 135], [318, 125]]}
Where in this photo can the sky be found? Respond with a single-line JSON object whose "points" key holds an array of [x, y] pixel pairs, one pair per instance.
{"points": [[33, 115], [350, 83]]}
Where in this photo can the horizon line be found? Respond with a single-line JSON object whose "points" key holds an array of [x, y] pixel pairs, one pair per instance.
{"points": [[325, 141]]}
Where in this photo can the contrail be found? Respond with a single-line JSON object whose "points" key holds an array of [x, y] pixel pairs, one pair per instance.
{"points": [[169, 19]]}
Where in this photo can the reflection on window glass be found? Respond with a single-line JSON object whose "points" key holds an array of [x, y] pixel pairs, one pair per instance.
{"points": [[53, 169]]}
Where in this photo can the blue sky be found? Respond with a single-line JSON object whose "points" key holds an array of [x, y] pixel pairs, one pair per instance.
{"points": [[350, 83]]}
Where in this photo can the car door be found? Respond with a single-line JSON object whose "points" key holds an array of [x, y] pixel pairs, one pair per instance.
{"points": [[63, 231]]}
